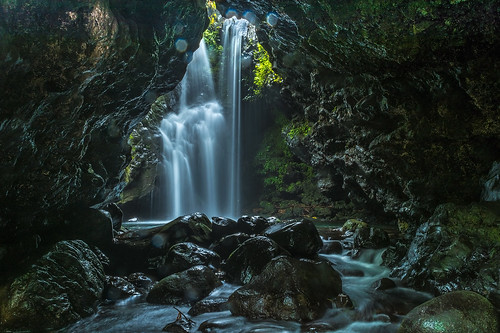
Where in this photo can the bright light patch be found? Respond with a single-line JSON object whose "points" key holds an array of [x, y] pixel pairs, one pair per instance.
{"points": [[231, 12], [181, 45], [250, 17], [158, 241], [272, 19]]}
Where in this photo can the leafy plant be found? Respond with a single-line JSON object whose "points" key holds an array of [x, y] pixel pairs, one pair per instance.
{"points": [[264, 75]]}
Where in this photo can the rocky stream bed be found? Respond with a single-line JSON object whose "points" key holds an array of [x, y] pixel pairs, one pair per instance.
{"points": [[255, 274]]}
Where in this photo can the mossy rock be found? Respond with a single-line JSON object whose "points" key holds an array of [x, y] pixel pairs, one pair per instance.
{"points": [[454, 312], [353, 225]]}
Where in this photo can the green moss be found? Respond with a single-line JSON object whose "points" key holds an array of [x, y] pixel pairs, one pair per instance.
{"points": [[476, 222], [290, 185], [353, 225], [264, 75], [298, 129], [212, 37]]}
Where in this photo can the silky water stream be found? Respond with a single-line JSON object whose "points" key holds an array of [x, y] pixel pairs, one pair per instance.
{"points": [[375, 311]]}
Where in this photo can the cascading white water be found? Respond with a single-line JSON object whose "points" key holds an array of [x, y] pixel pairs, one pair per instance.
{"points": [[202, 141], [193, 144], [234, 31]]}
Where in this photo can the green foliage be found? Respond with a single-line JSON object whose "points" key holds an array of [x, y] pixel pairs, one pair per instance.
{"points": [[264, 76], [282, 171], [212, 36], [298, 129]]}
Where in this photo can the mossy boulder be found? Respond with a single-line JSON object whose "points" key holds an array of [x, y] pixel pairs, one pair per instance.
{"points": [[353, 225], [454, 312], [457, 248], [62, 287]]}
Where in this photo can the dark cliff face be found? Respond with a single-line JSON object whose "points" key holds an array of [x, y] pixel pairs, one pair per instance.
{"points": [[76, 76], [402, 96]]}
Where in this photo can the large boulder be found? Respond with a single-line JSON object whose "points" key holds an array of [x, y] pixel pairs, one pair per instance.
{"points": [[145, 249], [454, 312], [62, 287], [299, 238], [228, 244], [182, 256], [288, 289], [184, 287], [252, 224], [458, 248], [223, 226], [250, 258]]}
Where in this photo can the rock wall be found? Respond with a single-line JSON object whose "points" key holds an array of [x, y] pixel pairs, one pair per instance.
{"points": [[402, 97], [77, 76]]}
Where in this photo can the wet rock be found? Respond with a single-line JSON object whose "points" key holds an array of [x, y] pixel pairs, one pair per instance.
{"points": [[288, 289], [394, 254], [144, 250], [384, 284], [301, 239], [220, 324], [184, 287], [115, 214], [332, 247], [180, 325], [458, 248], [62, 287], [182, 256], [353, 225], [250, 258], [454, 312], [118, 288], [141, 282], [209, 305], [371, 238], [222, 226], [194, 228], [343, 301], [252, 224], [228, 244]]}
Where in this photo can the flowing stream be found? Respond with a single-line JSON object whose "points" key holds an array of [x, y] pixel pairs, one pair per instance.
{"points": [[375, 311]]}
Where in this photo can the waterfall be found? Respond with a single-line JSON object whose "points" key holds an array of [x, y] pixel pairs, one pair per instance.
{"points": [[193, 144], [202, 140], [234, 31]]}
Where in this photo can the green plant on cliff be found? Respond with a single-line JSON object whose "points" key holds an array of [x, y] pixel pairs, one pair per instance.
{"points": [[283, 173], [264, 75], [212, 35], [298, 129]]}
